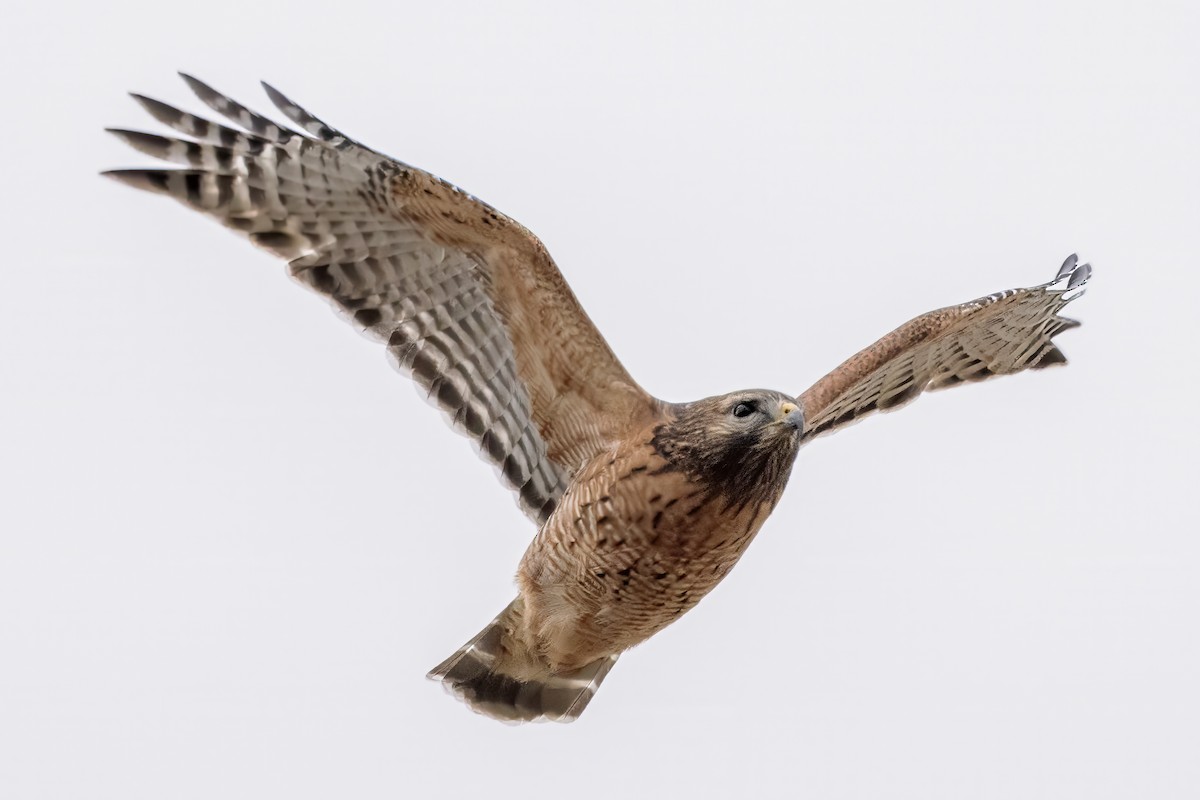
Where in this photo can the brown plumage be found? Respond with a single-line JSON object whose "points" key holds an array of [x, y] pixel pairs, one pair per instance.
{"points": [[643, 532], [642, 506]]}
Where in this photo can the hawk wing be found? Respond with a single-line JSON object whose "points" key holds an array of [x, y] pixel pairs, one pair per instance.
{"points": [[465, 299], [999, 334]]}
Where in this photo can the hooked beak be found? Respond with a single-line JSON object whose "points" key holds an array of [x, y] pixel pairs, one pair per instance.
{"points": [[791, 415]]}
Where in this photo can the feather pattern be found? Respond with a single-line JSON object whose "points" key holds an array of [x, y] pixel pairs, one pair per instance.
{"points": [[999, 334], [642, 507], [465, 299], [480, 673]]}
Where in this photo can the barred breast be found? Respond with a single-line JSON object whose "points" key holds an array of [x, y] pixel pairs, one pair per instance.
{"points": [[633, 544]]}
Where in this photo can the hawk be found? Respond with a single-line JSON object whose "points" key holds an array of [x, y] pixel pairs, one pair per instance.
{"points": [[642, 506]]}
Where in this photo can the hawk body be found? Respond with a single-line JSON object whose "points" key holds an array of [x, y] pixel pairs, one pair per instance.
{"points": [[641, 506], [645, 531]]}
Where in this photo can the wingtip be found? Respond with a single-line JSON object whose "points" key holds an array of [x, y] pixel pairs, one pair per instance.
{"points": [[129, 137], [150, 144], [1067, 266], [199, 87], [278, 98], [307, 122], [1079, 276], [1071, 278], [126, 135], [118, 175], [148, 103], [144, 179]]}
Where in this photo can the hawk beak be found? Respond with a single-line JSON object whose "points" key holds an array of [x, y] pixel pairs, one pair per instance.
{"points": [[790, 415]]}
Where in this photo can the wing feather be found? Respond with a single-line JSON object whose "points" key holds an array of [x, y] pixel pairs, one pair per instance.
{"points": [[1000, 334], [465, 299]]}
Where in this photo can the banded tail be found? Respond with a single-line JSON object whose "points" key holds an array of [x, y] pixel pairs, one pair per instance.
{"points": [[490, 674]]}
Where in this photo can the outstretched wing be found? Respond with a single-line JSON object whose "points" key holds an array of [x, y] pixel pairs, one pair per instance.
{"points": [[466, 299], [999, 334]]}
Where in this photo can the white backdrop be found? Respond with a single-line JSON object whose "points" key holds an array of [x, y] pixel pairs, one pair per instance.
{"points": [[233, 539]]}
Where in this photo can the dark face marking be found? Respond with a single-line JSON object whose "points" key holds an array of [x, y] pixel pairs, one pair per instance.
{"points": [[733, 446]]}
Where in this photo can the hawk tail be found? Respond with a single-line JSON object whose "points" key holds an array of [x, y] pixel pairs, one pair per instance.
{"points": [[490, 675]]}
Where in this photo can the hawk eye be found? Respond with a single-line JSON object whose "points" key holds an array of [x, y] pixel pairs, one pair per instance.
{"points": [[743, 410]]}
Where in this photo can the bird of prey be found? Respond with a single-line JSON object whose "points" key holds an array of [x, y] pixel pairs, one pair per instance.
{"points": [[642, 506]]}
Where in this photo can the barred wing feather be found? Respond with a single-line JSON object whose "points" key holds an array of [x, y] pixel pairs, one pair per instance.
{"points": [[1000, 334], [466, 299]]}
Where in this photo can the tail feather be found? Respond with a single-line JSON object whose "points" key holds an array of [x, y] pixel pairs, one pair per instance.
{"points": [[486, 676]]}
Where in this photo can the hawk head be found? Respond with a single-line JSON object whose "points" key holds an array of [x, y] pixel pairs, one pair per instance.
{"points": [[739, 446]]}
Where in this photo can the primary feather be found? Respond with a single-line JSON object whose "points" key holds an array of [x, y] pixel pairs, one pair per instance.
{"points": [[1000, 334], [466, 299]]}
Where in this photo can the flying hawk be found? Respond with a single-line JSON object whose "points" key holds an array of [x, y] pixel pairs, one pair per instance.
{"points": [[641, 506]]}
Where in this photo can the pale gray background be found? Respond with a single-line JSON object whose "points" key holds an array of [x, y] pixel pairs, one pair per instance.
{"points": [[234, 539]]}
